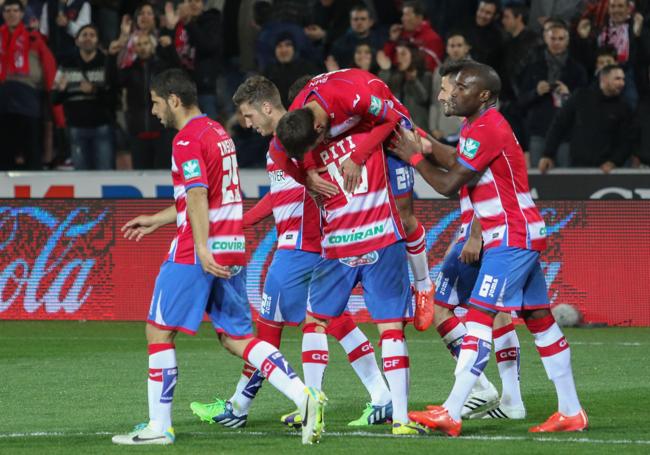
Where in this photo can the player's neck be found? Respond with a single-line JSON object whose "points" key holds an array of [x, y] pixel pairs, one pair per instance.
{"points": [[186, 116], [481, 111], [276, 115]]}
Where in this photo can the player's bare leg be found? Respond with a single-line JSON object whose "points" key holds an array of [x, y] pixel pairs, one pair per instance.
{"points": [[556, 358], [163, 374], [417, 256], [484, 396]]}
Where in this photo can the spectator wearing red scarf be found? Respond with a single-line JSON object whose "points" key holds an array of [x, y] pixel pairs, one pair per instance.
{"points": [[27, 70], [415, 30]]}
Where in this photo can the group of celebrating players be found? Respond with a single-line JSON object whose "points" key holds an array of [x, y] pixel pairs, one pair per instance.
{"points": [[341, 168]]}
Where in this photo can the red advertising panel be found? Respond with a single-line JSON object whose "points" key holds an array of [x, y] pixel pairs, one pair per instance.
{"points": [[67, 259]]}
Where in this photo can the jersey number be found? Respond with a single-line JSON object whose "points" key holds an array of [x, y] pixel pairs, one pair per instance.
{"points": [[230, 183]]}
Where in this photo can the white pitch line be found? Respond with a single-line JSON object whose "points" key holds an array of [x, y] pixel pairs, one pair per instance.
{"points": [[362, 434]]}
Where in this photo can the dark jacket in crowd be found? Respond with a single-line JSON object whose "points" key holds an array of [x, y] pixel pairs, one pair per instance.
{"points": [[641, 131], [486, 42], [518, 52], [85, 110], [205, 40], [597, 127], [283, 75], [136, 79], [541, 109], [344, 47]]}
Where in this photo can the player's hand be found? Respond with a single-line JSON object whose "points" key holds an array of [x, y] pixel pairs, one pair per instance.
{"points": [[351, 173], [543, 87], [607, 167], [315, 32], [115, 47], [165, 41], [383, 61], [406, 143], [126, 26], [209, 265], [319, 185], [471, 251], [584, 28], [138, 227], [395, 31], [86, 87], [638, 24], [545, 165], [562, 88], [171, 18]]}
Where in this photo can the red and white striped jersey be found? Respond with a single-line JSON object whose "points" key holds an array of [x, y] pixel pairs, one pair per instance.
{"points": [[466, 214], [204, 155], [297, 217], [501, 198], [366, 220]]}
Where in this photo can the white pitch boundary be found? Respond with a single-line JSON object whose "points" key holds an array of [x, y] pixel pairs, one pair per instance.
{"points": [[337, 434]]}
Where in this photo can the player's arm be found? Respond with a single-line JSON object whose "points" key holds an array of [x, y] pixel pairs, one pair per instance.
{"points": [[408, 147], [308, 178], [143, 225], [261, 210], [442, 155], [197, 212], [472, 249]]}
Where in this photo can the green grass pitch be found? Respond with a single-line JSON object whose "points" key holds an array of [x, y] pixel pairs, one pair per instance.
{"points": [[65, 387]]}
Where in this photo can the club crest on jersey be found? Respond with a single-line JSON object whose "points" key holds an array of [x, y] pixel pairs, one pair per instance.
{"points": [[375, 106], [235, 270], [357, 261], [191, 169], [470, 148]]}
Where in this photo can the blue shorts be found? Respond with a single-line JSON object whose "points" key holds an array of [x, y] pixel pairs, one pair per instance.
{"points": [[383, 275], [287, 286], [455, 280], [401, 176], [183, 293], [510, 279]]}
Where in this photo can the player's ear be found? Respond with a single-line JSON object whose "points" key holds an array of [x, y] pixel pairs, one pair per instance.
{"points": [[266, 108], [485, 96]]}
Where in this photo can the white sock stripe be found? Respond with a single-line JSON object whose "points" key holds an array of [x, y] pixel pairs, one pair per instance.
{"points": [[549, 336], [457, 332], [478, 330], [353, 340]]}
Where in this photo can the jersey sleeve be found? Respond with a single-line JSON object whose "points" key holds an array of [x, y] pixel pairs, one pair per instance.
{"points": [[479, 149], [191, 165], [280, 157]]}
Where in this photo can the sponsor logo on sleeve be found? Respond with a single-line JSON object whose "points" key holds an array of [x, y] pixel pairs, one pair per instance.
{"points": [[470, 148], [191, 169], [375, 106]]}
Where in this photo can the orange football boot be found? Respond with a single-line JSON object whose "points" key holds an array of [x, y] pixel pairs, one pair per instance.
{"points": [[559, 422], [437, 418], [423, 317]]}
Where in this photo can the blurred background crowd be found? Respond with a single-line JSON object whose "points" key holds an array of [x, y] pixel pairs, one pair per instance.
{"points": [[74, 74]]}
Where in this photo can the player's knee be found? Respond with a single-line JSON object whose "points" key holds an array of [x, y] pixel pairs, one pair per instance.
{"points": [[390, 329], [502, 319], [235, 347], [441, 314], [314, 325], [155, 335]]}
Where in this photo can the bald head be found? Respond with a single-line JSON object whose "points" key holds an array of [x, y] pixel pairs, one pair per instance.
{"points": [[477, 87]]}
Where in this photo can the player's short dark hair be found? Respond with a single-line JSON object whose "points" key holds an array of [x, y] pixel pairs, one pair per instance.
{"points": [[257, 90], [518, 11], [605, 70], [13, 2], [361, 6], [451, 68], [296, 132], [175, 82], [607, 49], [298, 85], [496, 3], [416, 5], [487, 76], [556, 22]]}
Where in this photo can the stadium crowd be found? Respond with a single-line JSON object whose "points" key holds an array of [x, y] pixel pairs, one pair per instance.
{"points": [[75, 74]]}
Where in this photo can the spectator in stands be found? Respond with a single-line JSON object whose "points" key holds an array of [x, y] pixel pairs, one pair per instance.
{"points": [[446, 15], [546, 83], [442, 127], [408, 79], [83, 88], [605, 56], [519, 51], [61, 21], [27, 69], [271, 25], [288, 66], [360, 32], [419, 33], [597, 122], [251, 146], [623, 31], [329, 21], [149, 142], [145, 22], [106, 14], [641, 132], [483, 34], [197, 39], [542, 10]]}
